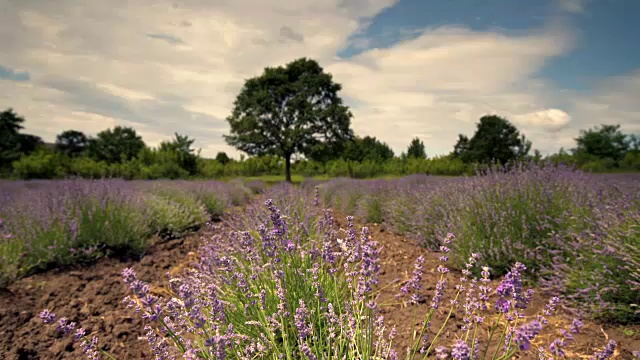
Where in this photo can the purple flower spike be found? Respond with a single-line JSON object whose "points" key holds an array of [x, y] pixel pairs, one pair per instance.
{"points": [[47, 316], [461, 351], [526, 333], [576, 325], [441, 353], [607, 352]]}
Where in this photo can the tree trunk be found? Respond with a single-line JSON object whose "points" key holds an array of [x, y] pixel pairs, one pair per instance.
{"points": [[287, 167]]}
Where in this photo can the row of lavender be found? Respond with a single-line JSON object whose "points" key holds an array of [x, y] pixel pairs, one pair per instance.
{"points": [[577, 233], [286, 283], [51, 223]]}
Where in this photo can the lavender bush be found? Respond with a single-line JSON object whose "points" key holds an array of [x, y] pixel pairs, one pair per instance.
{"points": [[295, 287], [66, 221], [52, 223], [575, 231]]}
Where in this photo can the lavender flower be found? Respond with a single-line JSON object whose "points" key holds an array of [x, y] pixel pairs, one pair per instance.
{"points": [[526, 333], [607, 352], [461, 351], [301, 317], [415, 283]]}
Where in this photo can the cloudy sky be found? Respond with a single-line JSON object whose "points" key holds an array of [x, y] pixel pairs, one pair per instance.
{"points": [[425, 68]]}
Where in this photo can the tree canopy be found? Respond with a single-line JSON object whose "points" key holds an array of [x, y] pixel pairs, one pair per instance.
{"points": [[367, 148], [416, 149], [71, 142], [116, 145], [180, 146], [495, 139], [222, 158], [288, 110], [13, 144], [605, 142]]}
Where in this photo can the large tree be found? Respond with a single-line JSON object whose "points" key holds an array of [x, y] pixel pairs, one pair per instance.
{"points": [[495, 139], [71, 142], [416, 149], [116, 145], [606, 142], [288, 110]]}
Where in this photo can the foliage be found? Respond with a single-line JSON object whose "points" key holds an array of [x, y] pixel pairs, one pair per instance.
{"points": [[186, 157], [606, 142], [495, 139], [71, 142], [416, 149], [288, 110], [367, 149], [222, 158], [13, 144], [287, 285], [43, 164], [116, 145], [46, 224]]}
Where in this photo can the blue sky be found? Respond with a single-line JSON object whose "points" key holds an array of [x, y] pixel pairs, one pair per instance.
{"points": [[608, 31], [409, 68]]}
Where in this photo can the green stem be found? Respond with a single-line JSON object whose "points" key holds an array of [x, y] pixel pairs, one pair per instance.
{"points": [[443, 325], [493, 330]]}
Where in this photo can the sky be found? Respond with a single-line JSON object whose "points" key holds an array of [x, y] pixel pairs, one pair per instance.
{"points": [[408, 68]]}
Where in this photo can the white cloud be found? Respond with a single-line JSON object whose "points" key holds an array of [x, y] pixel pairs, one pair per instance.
{"points": [[166, 66], [549, 119], [572, 6]]}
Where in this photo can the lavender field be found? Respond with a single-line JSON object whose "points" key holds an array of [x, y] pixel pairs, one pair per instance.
{"points": [[523, 263], [46, 224]]}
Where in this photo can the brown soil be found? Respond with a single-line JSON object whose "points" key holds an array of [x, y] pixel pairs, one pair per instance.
{"points": [[397, 260], [92, 297]]}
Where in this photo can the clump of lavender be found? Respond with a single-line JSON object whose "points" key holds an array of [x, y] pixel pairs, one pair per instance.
{"points": [[272, 293], [295, 287]]}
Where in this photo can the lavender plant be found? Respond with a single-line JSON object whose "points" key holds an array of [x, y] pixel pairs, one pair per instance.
{"points": [[52, 223], [575, 231], [281, 291], [65, 222]]}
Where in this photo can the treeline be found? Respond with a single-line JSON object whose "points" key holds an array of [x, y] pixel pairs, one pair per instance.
{"points": [[120, 152]]}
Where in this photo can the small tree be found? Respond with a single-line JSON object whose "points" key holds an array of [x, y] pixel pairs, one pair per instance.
{"points": [[496, 139], [222, 158], [71, 142], [606, 142], [288, 110], [367, 148], [416, 149], [116, 145], [187, 157], [10, 126]]}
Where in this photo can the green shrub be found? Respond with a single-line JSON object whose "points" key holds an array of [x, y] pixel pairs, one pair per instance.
{"points": [[42, 164], [88, 168]]}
